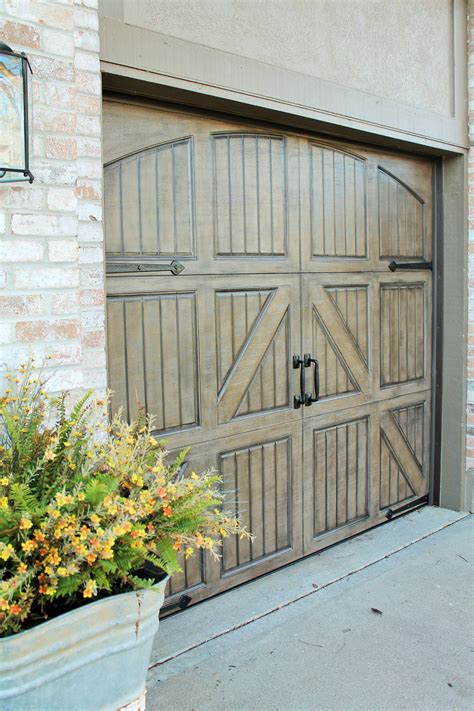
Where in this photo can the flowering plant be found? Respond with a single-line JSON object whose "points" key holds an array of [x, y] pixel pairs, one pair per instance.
{"points": [[86, 505]]}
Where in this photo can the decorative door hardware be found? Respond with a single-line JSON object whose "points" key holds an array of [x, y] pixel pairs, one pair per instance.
{"points": [[305, 398], [125, 267], [415, 504], [299, 400], [308, 398], [393, 266]]}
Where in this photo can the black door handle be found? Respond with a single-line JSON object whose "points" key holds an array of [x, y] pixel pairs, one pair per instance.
{"points": [[298, 400], [308, 397]]}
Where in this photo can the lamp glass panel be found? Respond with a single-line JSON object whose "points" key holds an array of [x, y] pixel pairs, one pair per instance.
{"points": [[12, 142]]}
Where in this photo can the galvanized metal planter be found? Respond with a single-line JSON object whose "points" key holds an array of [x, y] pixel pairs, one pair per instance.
{"points": [[94, 658]]}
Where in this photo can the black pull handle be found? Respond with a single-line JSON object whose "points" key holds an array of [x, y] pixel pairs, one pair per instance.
{"points": [[298, 400], [308, 398], [393, 266]]}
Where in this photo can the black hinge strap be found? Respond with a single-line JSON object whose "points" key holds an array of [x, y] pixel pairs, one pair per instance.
{"points": [[415, 504], [181, 603], [127, 267], [393, 266]]}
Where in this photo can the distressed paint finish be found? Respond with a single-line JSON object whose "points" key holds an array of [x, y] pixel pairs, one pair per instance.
{"points": [[287, 260]]}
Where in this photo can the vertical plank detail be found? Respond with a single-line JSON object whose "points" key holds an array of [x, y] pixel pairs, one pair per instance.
{"points": [[340, 475], [257, 486], [250, 195], [402, 326], [338, 203], [153, 357], [149, 204], [401, 219]]}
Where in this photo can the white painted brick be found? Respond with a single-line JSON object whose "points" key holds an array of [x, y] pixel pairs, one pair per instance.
{"points": [[92, 278], [2, 223], [62, 199], [96, 379], [46, 278], [88, 125], [92, 319], [91, 211], [65, 379], [85, 19], [86, 61], [6, 332], [47, 225], [86, 39], [89, 147], [50, 174], [90, 231], [55, 42], [89, 167], [19, 251], [94, 358], [91, 255], [3, 279], [63, 250]]}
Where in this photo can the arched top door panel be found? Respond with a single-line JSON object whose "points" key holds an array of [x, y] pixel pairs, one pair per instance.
{"points": [[149, 202], [402, 218], [338, 203]]}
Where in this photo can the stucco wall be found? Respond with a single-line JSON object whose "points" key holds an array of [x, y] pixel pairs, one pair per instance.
{"points": [[379, 47], [51, 246], [394, 67]]}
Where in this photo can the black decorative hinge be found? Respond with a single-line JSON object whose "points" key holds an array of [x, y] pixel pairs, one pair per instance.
{"points": [[131, 267], [181, 604], [393, 266], [415, 504]]}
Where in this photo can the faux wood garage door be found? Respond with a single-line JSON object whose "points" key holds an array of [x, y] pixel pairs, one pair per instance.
{"points": [[282, 244]]}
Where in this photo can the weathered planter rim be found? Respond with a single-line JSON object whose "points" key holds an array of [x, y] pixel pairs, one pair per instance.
{"points": [[76, 610]]}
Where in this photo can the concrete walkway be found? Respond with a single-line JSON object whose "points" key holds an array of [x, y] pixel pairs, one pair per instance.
{"points": [[389, 626]]}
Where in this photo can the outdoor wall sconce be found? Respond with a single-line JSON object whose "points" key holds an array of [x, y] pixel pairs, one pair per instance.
{"points": [[14, 117]]}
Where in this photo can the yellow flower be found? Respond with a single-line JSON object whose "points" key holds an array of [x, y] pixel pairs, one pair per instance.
{"points": [[81, 496], [25, 523], [4, 481], [189, 552], [6, 551], [29, 546], [49, 454], [62, 572], [90, 589], [22, 568], [3, 502]]}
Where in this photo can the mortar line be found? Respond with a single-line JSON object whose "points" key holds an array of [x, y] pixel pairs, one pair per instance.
{"points": [[304, 595]]}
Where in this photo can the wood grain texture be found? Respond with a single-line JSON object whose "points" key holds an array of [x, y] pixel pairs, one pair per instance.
{"points": [[338, 211], [285, 242], [153, 358], [341, 470], [403, 332], [256, 482], [402, 225], [148, 202], [250, 195]]}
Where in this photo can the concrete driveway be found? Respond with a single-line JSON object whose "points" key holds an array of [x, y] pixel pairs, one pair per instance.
{"points": [[384, 621]]}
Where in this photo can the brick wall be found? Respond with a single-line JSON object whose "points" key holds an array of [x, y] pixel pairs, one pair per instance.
{"points": [[51, 240]]}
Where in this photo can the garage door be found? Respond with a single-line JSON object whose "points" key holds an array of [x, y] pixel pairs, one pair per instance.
{"points": [[269, 300]]}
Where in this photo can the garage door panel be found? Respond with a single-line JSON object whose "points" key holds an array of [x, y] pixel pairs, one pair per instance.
{"points": [[285, 241]]}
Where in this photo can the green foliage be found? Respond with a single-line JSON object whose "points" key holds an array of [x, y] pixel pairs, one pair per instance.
{"points": [[86, 504]]}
